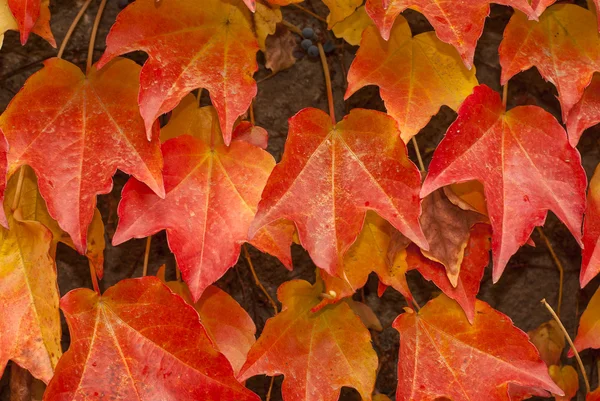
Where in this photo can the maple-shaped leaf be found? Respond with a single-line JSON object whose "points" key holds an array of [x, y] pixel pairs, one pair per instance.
{"points": [[476, 258], [212, 192], [590, 255], [371, 253], [33, 207], [139, 341], [525, 162], [563, 45], [588, 333], [549, 339], [443, 355], [13, 17], [75, 132], [459, 22], [318, 353], [330, 176], [567, 379], [189, 47], [416, 76], [227, 324], [586, 113], [30, 330]]}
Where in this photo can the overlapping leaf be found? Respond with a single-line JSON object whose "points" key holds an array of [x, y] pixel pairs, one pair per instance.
{"points": [[318, 353], [30, 331], [26, 12], [443, 355], [117, 339], [539, 6], [416, 75], [459, 22], [351, 29], [15, 15], [590, 255], [563, 45], [567, 379], [189, 47], [75, 132], [212, 191], [586, 113], [331, 175], [525, 162], [549, 340], [588, 333]]}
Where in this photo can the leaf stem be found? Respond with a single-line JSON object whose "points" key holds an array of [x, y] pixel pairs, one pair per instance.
{"points": [[418, 152], [291, 27], [505, 95], [327, 83], [270, 389], [90, 55], [251, 112], [94, 278], [307, 11], [561, 270], [146, 256], [17, 198], [562, 327], [256, 279], [63, 45]]}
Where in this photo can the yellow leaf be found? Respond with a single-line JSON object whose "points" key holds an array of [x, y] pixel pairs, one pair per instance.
{"points": [[468, 196], [351, 29], [339, 10], [567, 379], [266, 19]]}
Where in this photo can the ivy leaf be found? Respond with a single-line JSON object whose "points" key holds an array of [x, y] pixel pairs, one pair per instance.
{"points": [[539, 6], [496, 147], [563, 45], [3, 171], [590, 255], [33, 208], [416, 75], [443, 355], [189, 47], [331, 348], [83, 130], [212, 192], [117, 339], [476, 258], [30, 325], [13, 16], [459, 23], [588, 333], [468, 195], [351, 29], [586, 113], [26, 12], [330, 176], [549, 340], [567, 379], [266, 19], [593, 396]]}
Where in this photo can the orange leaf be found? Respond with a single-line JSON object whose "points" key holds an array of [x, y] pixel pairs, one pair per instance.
{"points": [[443, 355], [459, 22], [593, 396], [317, 352], [83, 130], [567, 379], [139, 341], [330, 176], [189, 47], [549, 340], [588, 333], [590, 255], [468, 196], [502, 150], [563, 45], [416, 75], [212, 191], [26, 16], [539, 6]]}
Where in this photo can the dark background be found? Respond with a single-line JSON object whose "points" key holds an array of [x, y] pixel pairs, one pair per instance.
{"points": [[530, 276]]}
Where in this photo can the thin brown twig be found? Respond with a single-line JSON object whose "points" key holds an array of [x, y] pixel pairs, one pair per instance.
{"points": [[94, 278], [561, 270], [71, 29], [327, 83], [17, 198], [90, 56], [251, 112], [418, 152], [505, 95], [146, 256], [270, 389], [291, 27], [257, 280], [307, 11], [562, 327]]}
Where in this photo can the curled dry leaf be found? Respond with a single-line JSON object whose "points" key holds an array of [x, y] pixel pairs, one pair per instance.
{"points": [[83, 130], [330, 176], [588, 333], [549, 340], [502, 150], [416, 76], [212, 191], [334, 331], [564, 46], [30, 330], [590, 255], [279, 50], [117, 338], [443, 355], [459, 22], [567, 379], [211, 47], [351, 29]]}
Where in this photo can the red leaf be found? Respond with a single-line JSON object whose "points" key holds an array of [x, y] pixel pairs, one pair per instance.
{"points": [[26, 12], [590, 255], [563, 45], [459, 22], [75, 132], [586, 113], [3, 168], [525, 162], [139, 341], [317, 352], [330, 176], [443, 355], [593, 396], [189, 47]]}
